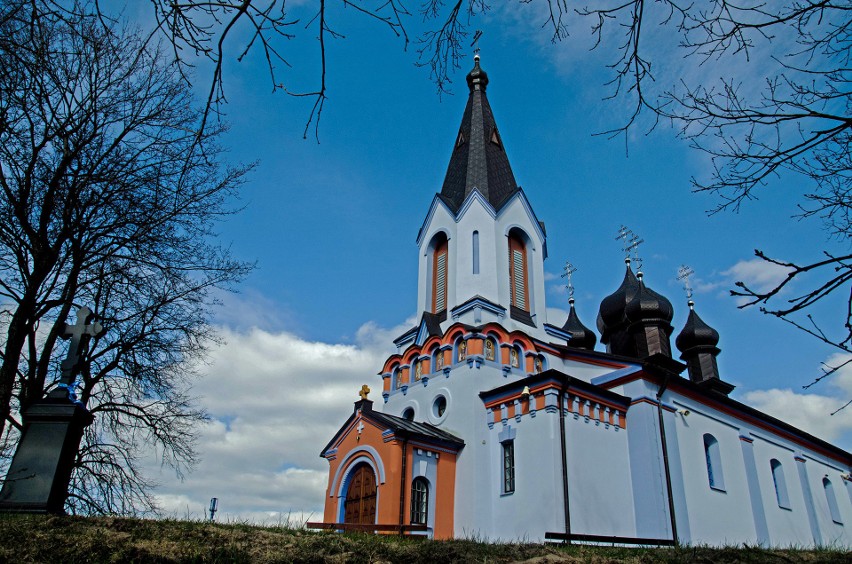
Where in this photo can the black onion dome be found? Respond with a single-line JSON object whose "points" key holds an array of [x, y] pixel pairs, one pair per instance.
{"points": [[477, 75], [648, 304], [696, 333], [612, 307], [581, 336]]}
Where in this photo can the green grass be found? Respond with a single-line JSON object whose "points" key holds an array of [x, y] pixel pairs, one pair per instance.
{"points": [[70, 540]]}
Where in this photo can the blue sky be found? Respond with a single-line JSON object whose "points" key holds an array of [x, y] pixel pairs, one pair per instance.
{"points": [[332, 226]]}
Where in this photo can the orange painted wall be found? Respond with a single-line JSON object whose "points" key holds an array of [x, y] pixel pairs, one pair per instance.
{"points": [[387, 510]]}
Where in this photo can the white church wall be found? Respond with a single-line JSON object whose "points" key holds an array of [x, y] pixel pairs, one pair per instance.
{"points": [[719, 514], [786, 518], [535, 507], [468, 284], [599, 478], [832, 525]]}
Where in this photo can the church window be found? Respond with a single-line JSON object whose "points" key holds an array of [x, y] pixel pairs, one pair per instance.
{"points": [[475, 242], [439, 274], [780, 484], [439, 407], [508, 467], [419, 501], [408, 413], [539, 365], [713, 459], [832, 501], [518, 272], [397, 378], [418, 370]]}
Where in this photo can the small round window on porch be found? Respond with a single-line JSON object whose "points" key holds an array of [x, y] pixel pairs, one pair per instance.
{"points": [[408, 413]]}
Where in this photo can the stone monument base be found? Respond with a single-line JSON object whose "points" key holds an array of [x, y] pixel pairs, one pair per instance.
{"points": [[38, 477]]}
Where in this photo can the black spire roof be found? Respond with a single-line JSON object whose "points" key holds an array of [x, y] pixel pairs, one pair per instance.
{"points": [[479, 160], [581, 336]]}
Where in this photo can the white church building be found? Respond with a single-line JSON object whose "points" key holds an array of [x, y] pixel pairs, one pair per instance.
{"points": [[497, 422]]}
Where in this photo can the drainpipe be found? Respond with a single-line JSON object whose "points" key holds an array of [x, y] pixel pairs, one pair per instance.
{"points": [[664, 444], [566, 506], [402, 487]]}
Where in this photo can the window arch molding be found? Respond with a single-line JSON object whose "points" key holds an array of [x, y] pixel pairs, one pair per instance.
{"points": [[419, 501], [831, 499], [438, 271], [780, 483], [713, 460], [519, 270]]}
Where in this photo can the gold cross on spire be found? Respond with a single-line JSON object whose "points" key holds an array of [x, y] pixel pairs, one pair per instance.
{"points": [[365, 389]]}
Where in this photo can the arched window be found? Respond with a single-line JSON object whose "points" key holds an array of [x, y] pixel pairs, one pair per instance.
{"points": [[408, 414], [419, 501], [518, 272], [714, 463], [832, 501], [475, 243], [397, 378], [780, 484], [439, 274]]}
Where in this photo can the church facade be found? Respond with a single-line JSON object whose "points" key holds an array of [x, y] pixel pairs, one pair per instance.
{"points": [[494, 423]]}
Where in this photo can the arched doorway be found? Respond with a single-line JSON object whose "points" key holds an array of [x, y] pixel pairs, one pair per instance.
{"points": [[360, 504]]}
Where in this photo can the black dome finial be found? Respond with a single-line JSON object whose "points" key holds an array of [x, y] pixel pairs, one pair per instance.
{"points": [[477, 79]]}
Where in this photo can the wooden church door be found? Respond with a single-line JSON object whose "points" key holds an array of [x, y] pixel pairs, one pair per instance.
{"points": [[361, 496]]}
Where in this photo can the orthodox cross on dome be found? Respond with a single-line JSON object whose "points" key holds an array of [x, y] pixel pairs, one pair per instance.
{"points": [[569, 269], [475, 43], [365, 390], [683, 273], [79, 333], [630, 243]]}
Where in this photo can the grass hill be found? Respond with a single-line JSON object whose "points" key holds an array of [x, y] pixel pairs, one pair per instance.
{"points": [[70, 540]]}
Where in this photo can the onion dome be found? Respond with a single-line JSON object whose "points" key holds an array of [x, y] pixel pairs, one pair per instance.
{"points": [[477, 79], [648, 305], [581, 336], [611, 313], [696, 333]]}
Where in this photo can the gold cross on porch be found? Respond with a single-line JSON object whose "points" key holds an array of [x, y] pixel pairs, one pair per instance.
{"points": [[365, 389]]}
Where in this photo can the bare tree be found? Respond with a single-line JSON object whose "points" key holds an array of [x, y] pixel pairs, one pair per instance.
{"points": [[110, 193]]}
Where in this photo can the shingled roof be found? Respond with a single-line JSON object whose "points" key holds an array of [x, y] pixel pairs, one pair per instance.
{"points": [[479, 160]]}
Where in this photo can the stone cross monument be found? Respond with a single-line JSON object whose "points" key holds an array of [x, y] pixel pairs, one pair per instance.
{"points": [[40, 472]]}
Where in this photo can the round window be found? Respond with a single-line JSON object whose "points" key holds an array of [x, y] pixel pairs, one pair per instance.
{"points": [[439, 406], [408, 413]]}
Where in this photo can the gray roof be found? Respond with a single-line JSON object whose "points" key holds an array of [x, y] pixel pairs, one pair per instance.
{"points": [[479, 160]]}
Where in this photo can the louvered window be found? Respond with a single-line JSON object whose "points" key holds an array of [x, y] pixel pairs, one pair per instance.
{"points": [[439, 277], [518, 273]]}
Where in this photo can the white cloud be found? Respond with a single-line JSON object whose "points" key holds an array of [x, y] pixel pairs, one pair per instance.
{"points": [[810, 412], [759, 275], [275, 400]]}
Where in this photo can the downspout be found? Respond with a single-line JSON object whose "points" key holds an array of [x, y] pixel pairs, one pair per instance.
{"points": [[566, 506], [664, 444], [402, 487]]}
